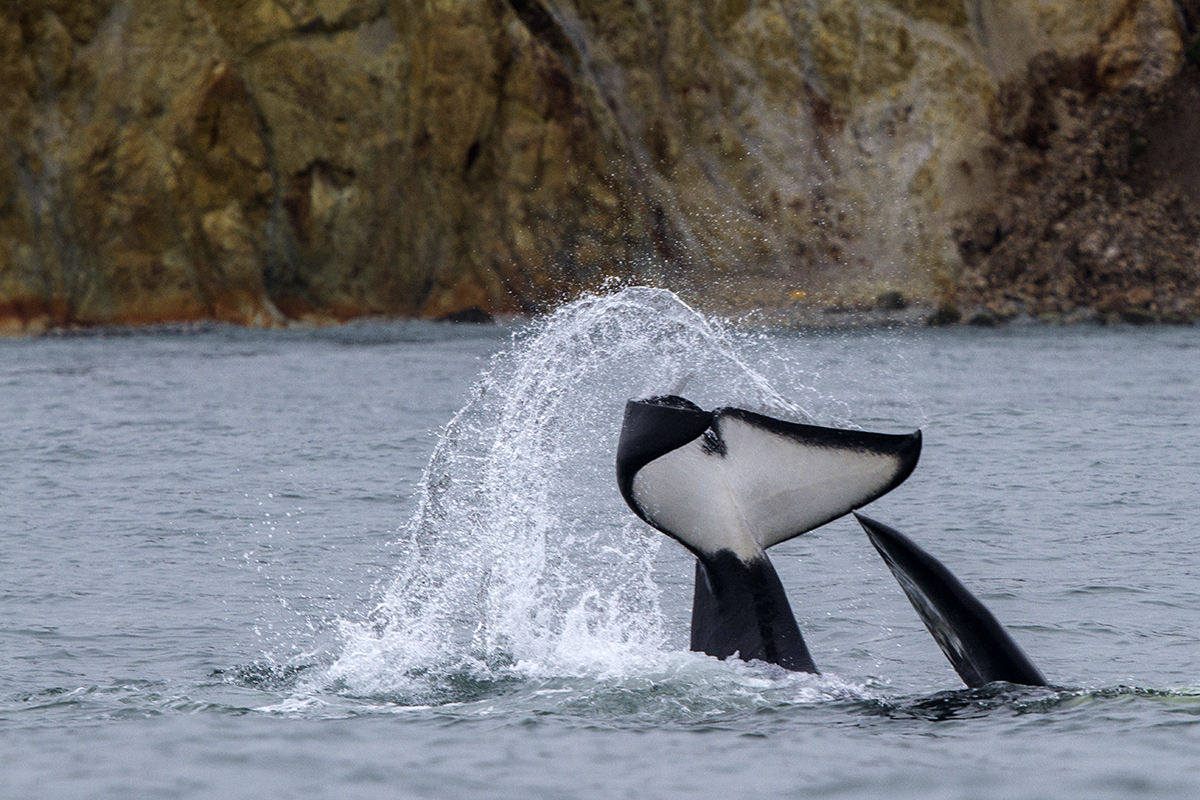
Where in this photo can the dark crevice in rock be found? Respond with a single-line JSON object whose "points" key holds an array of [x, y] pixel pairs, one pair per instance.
{"points": [[472, 155], [546, 29]]}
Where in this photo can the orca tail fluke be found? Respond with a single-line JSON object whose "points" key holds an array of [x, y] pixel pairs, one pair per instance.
{"points": [[978, 647], [730, 483], [736, 480]]}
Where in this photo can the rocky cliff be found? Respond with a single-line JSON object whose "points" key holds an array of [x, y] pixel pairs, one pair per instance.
{"points": [[260, 161]]}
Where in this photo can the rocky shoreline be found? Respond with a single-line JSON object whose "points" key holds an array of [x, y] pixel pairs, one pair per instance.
{"points": [[861, 316]]}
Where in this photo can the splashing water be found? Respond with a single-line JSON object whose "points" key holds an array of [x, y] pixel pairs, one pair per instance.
{"points": [[522, 560]]}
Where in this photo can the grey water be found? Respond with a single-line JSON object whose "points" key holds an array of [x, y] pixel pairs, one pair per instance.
{"points": [[389, 560]]}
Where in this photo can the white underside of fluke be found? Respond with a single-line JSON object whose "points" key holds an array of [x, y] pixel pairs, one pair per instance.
{"points": [[765, 488]]}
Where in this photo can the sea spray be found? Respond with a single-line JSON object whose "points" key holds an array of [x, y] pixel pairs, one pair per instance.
{"points": [[521, 558]]}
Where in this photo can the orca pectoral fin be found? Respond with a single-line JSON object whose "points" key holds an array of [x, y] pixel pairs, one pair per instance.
{"points": [[740, 607], [970, 636]]}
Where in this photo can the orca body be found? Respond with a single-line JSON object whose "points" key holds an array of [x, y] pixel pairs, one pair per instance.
{"points": [[978, 647], [728, 484]]}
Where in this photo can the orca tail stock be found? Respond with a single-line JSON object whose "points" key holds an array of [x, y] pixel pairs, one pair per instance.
{"points": [[727, 484]]}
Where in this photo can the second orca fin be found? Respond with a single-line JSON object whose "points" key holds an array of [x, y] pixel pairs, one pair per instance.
{"points": [[970, 636]]}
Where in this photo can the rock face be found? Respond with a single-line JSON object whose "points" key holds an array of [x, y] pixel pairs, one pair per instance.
{"points": [[1101, 214], [260, 161]]}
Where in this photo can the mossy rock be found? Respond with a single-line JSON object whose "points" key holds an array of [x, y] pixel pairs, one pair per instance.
{"points": [[1138, 316], [983, 319], [946, 314]]}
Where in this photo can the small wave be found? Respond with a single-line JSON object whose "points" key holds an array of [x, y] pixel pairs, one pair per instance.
{"points": [[266, 675], [971, 703], [127, 699]]}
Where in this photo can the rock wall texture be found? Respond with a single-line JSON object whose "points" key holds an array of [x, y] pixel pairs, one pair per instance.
{"points": [[261, 161]]}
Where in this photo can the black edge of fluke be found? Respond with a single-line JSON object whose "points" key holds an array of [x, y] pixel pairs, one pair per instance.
{"points": [[978, 647], [652, 428], [905, 446], [909, 452]]}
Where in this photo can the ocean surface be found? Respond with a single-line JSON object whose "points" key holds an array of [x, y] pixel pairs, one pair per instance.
{"points": [[390, 560]]}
